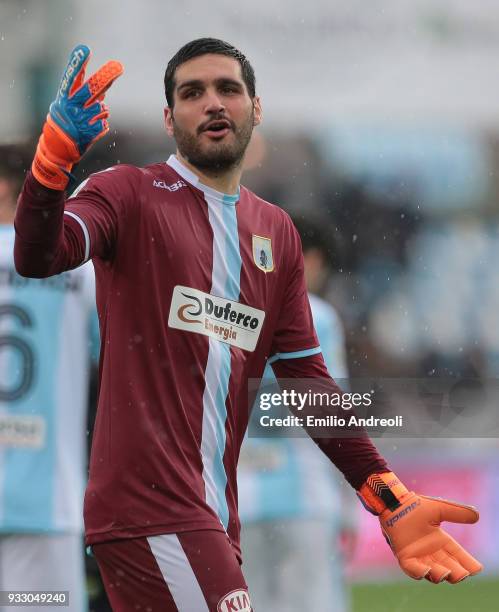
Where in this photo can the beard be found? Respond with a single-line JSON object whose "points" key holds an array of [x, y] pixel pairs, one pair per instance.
{"points": [[215, 158]]}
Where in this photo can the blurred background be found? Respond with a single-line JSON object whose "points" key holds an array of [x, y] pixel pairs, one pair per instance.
{"points": [[381, 118]]}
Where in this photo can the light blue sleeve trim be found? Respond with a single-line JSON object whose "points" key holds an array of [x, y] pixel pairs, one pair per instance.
{"points": [[85, 231], [295, 355]]}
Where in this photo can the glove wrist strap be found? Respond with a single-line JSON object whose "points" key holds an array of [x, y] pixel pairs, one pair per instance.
{"points": [[382, 492], [50, 173]]}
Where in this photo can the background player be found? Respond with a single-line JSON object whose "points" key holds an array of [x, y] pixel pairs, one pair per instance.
{"points": [[293, 506], [199, 282], [45, 345]]}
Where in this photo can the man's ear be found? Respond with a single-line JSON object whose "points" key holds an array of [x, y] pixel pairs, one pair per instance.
{"points": [[257, 106], [168, 112]]}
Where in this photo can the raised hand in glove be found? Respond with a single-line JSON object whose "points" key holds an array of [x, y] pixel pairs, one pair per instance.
{"points": [[76, 119]]}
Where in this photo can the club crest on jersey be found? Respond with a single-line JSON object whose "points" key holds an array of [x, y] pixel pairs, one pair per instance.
{"points": [[235, 601], [262, 253]]}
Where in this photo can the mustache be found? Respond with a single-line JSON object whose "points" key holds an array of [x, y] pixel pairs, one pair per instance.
{"points": [[206, 123]]}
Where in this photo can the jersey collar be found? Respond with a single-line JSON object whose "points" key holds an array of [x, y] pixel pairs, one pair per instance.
{"points": [[193, 179]]}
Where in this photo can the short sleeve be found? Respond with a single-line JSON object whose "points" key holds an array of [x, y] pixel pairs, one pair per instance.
{"points": [[294, 334]]}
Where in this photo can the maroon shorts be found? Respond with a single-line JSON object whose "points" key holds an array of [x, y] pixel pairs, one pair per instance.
{"points": [[196, 571]]}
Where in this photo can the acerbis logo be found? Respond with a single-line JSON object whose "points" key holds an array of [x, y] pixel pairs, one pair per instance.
{"points": [[216, 317], [74, 64], [235, 601], [173, 187], [402, 513]]}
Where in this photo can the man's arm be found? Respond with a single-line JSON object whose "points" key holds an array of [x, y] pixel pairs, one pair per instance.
{"points": [[44, 244], [47, 241], [54, 234], [355, 457], [296, 354], [409, 522]]}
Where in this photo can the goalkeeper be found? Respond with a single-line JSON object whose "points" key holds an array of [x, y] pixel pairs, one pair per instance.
{"points": [[199, 283]]}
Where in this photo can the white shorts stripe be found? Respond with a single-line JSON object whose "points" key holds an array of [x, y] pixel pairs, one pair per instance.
{"points": [[177, 573], [85, 233]]}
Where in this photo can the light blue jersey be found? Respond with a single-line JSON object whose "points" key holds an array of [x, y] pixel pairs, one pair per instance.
{"points": [[290, 477], [46, 328]]}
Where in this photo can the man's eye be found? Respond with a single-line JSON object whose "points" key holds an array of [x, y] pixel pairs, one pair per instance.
{"points": [[229, 90], [192, 93]]}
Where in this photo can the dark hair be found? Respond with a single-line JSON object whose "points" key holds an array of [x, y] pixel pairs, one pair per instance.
{"points": [[202, 46], [15, 160], [317, 232]]}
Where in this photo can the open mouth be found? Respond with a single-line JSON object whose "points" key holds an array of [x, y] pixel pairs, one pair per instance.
{"points": [[218, 128]]}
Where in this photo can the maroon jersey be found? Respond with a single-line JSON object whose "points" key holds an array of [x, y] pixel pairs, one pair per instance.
{"points": [[195, 291]]}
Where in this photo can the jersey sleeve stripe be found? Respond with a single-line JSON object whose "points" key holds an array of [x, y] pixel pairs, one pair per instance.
{"points": [[295, 354], [85, 231]]}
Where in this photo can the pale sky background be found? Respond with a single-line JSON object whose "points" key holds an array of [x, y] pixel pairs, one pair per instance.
{"points": [[318, 62]]}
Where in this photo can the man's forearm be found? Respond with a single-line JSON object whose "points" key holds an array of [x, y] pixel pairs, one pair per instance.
{"points": [[45, 245], [356, 457]]}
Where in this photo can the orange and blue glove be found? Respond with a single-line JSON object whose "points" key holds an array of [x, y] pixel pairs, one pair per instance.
{"points": [[77, 118], [411, 526]]}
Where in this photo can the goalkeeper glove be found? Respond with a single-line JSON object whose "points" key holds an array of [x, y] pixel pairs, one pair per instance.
{"points": [[411, 526], [76, 119]]}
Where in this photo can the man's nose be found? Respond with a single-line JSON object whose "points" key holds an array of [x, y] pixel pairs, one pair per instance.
{"points": [[214, 103]]}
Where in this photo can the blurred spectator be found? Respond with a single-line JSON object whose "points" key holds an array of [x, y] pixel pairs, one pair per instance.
{"points": [[441, 312], [292, 503]]}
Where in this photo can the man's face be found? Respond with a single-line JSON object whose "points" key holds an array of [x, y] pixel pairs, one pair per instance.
{"points": [[213, 115]]}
